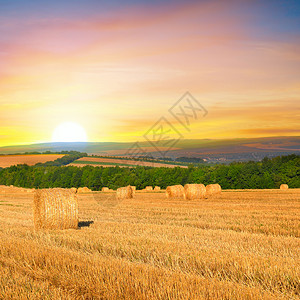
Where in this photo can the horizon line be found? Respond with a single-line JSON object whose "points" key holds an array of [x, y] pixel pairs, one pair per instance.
{"points": [[117, 142]]}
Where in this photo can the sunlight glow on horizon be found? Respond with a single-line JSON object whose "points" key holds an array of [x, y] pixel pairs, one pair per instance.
{"points": [[69, 132]]}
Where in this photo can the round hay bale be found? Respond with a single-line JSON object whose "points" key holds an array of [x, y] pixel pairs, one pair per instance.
{"points": [[83, 190], [157, 189], [149, 188], [211, 189], [218, 188], [194, 191], [284, 187], [73, 189], [105, 189], [125, 193], [133, 189], [55, 209], [175, 191]]}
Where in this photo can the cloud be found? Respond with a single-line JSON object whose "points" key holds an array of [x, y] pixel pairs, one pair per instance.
{"points": [[269, 131]]}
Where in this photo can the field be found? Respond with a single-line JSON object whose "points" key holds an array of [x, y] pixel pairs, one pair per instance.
{"points": [[32, 159], [238, 245], [111, 162]]}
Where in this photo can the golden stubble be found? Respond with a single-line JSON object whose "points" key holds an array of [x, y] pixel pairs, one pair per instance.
{"points": [[235, 245]]}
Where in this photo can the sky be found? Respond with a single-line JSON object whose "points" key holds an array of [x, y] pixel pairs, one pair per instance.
{"points": [[116, 67]]}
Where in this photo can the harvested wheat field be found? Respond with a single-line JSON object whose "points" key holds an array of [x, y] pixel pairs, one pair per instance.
{"points": [[112, 162], [30, 159], [235, 245]]}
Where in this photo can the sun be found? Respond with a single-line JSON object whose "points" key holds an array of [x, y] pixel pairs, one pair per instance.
{"points": [[69, 132]]}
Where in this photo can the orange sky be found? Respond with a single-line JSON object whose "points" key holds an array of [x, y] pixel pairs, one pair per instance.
{"points": [[117, 72]]}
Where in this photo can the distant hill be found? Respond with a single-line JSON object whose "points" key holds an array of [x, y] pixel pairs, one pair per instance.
{"points": [[225, 150]]}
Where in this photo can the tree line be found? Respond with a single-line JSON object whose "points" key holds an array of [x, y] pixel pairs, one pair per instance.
{"points": [[70, 157], [266, 174]]}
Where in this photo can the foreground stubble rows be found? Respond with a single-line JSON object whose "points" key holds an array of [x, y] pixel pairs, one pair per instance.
{"points": [[239, 245]]}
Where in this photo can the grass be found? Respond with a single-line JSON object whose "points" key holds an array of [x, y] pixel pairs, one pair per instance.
{"points": [[233, 246]]}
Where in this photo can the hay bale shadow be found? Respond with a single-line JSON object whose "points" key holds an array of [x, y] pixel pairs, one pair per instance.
{"points": [[85, 224]]}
